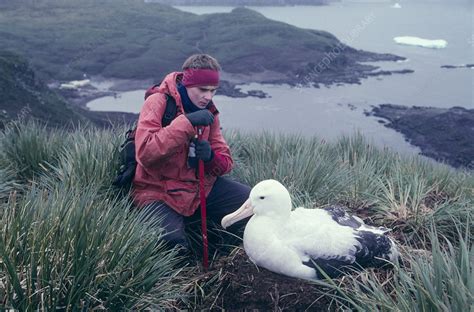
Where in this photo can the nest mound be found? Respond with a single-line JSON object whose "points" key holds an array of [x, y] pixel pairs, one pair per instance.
{"points": [[246, 286]]}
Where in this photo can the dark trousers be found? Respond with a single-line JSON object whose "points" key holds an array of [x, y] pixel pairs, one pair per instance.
{"points": [[225, 197]]}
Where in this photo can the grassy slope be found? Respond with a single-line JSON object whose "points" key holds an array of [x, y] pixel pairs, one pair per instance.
{"points": [[93, 255], [131, 39], [22, 94]]}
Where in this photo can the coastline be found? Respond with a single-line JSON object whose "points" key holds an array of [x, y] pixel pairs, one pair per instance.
{"points": [[444, 134]]}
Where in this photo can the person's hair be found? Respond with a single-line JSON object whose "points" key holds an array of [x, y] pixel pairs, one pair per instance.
{"points": [[201, 61]]}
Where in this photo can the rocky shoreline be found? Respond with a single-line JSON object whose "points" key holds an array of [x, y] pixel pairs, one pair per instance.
{"points": [[444, 134], [458, 66]]}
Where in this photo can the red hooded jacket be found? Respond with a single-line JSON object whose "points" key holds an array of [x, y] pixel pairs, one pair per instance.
{"points": [[162, 172]]}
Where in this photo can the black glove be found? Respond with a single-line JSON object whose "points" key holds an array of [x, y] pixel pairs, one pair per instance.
{"points": [[203, 150], [201, 118]]}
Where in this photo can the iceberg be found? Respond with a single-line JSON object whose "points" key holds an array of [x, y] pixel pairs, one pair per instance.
{"points": [[425, 43], [75, 84], [396, 6]]}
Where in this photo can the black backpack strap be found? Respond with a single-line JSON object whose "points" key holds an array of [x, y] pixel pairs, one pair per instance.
{"points": [[170, 111], [128, 166]]}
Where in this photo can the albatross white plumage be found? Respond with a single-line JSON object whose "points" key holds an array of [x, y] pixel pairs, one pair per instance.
{"points": [[292, 243]]}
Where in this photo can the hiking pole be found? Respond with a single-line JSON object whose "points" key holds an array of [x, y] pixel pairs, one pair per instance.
{"points": [[202, 194]]}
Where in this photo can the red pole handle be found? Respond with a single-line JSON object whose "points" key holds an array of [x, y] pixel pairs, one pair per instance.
{"points": [[202, 195]]}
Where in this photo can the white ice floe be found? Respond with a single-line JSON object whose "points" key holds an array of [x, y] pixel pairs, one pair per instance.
{"points": [[396, 6], [420, 42], [75, 84]]}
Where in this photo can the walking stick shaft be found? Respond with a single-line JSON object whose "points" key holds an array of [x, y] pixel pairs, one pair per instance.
{"points": [[202, 196]]}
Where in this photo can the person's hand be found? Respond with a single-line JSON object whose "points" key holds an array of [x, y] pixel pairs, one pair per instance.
{"points": [[201, 118], [203, 150]]}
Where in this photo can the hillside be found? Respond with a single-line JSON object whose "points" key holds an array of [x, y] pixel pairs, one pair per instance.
{"points": [[23, 95], [68, 241], [243, 2], [135, 40]]}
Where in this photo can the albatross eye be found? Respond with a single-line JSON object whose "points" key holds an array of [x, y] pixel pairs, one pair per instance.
{"points": [[262, 197]]}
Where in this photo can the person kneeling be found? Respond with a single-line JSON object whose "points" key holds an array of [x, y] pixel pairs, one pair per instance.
{"points": [[166, 183]]}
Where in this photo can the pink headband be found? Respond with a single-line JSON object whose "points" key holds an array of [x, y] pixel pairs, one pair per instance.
{"points": [[200, 77]]}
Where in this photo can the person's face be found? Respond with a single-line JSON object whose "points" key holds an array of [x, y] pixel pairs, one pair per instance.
{"points": [[202, 95]]}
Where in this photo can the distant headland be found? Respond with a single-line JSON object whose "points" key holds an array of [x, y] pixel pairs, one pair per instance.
{"points": [[242, 2]]}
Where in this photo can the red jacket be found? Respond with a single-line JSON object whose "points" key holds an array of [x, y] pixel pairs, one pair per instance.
{"points": [[162, 172]]}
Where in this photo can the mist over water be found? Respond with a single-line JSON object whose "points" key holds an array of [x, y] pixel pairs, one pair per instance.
{"points": [[331, 112]]}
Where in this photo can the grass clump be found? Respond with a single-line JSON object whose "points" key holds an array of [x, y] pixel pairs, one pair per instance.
{"points": [[90, 158], [7, 183], [79, 249], [68, 241], [439, 279], [28, 148], [394, 189]]}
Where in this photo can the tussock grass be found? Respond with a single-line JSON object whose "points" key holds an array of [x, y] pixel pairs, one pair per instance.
{"points": [[26, 149], [8, 183], [68, 240], [77, 248], [439, 279], [89, 159], [394, 188], [304, 165]]}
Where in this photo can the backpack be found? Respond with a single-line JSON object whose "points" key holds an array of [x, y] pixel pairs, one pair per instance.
{"points": [[128, 162]]}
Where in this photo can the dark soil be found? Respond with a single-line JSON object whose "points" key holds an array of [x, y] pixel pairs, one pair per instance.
{"points": [[246, 286], [444, 134]]}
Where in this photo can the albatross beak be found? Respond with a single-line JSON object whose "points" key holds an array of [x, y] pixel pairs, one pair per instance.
{"points": [[246, 210]]}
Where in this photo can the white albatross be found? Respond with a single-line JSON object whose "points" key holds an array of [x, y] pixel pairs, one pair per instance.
{"points": [[292, 242]]}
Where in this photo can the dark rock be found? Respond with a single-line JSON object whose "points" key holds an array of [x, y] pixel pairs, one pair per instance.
{"points": [[403, 71], [230, 89], [458, 66], [445, 134], [257, 93], [351, 72], [390, 72]]}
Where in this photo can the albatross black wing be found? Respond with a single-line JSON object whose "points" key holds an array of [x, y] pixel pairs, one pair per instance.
{"points": [[340, 215], [376, 249], [332, 267]]}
